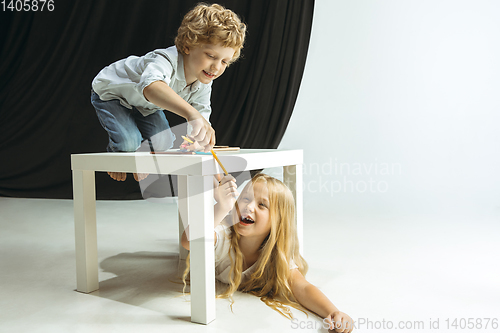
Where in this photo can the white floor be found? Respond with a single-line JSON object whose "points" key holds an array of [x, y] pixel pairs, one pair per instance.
{"points": [[378, 270]]}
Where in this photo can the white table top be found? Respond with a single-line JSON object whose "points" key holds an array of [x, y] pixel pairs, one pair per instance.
{"points": [[145, 162]]}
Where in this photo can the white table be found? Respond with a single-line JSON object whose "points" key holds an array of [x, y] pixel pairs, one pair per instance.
{"points": [[195, 190]]}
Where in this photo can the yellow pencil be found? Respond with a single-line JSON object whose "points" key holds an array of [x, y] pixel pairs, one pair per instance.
{"points": [[211, 150], [220, 163]]}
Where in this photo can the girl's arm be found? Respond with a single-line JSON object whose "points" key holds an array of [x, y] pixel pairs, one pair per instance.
{"points": [[225, 194], [310, 297]]}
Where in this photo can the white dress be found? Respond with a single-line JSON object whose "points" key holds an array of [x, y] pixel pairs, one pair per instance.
{"points": [[222, 260]]}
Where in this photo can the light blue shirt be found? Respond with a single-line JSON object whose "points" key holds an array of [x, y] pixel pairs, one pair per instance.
{"points": [[126, 79]]}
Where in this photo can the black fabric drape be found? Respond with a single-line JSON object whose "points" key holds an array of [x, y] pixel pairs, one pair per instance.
{"points": [[48, 60]]}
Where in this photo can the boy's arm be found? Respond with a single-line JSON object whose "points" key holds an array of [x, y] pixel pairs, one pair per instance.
{"points": [[313, 299], [160, 94]]}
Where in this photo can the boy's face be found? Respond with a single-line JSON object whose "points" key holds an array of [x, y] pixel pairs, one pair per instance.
{"points": [[206, 62]]}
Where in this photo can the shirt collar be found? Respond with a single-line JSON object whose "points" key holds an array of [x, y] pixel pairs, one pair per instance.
{"points": [[179, 75]]}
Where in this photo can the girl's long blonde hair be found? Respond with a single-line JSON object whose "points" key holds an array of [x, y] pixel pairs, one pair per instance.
{"points": [[271, 280]]}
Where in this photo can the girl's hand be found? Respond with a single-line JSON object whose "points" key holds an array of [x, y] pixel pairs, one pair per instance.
{"points": [[340, 322], [226, 192]]}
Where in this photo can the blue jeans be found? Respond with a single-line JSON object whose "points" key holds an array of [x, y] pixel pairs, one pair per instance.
{"points": [[128, 128]]}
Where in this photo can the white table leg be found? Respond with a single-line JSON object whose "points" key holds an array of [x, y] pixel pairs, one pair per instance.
{"points": [[87, 279], [182, 203], [201, 235], [292, 177]]}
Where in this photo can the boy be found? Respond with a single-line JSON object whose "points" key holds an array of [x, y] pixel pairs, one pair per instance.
{"points": [[130, 95]]}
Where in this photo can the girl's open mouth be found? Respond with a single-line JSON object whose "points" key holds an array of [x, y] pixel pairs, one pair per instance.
{"points": [[247, 221]]}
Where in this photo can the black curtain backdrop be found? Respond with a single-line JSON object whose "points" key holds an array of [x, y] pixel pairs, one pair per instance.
{"points": [[48, 61]]}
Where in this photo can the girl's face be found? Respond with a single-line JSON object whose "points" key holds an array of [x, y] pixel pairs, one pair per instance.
{"points": [[253, 204]]}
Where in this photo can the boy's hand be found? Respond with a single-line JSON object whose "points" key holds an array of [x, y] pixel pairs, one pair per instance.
{"points": [[226, 192], [202, 132], [340, 322], [191, 146]]}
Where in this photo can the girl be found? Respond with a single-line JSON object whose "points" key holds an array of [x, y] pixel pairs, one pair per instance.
{"points": [[257, 252]]}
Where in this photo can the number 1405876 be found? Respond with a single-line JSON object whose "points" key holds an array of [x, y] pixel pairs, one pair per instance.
{"points": [[28, 5]]}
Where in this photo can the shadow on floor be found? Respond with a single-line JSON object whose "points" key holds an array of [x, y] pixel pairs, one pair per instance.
{"points": [[145, 279]]}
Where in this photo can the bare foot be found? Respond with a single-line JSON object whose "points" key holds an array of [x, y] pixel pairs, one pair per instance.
{"points": [[118, 176], [140, 176]]}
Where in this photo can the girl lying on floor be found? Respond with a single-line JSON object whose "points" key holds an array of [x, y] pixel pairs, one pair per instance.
{"points": [[257, 250]]}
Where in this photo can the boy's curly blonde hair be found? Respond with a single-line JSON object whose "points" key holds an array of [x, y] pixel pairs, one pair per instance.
{"points": [[211, 24]]}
